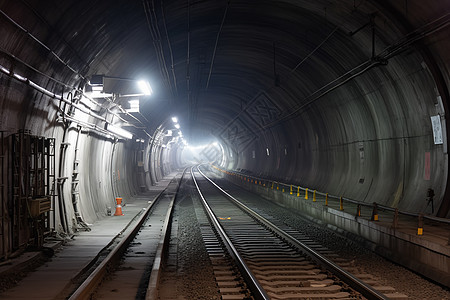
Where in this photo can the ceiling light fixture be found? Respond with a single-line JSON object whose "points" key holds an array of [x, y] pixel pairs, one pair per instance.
{"points": [[145, 87]]}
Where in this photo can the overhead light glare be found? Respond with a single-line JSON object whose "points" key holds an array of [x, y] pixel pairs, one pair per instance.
{"points": [[97, 94], [145, 87], [119, 131], [97, 88], [134, 105], [177, 126], [175, 119]]}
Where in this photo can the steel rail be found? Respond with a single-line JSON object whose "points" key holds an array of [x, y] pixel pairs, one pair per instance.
{"points": [[355, 283], [253, 283], [94, 279], [155, 275]]}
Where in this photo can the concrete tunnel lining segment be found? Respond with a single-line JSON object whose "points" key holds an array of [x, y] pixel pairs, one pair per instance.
{"points": [[293, 90]]}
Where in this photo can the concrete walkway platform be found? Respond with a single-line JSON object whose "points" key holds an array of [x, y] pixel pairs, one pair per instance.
{"points": [[54, 278]]}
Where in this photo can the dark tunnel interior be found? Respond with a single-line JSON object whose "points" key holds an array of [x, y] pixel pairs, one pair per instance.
{"points": [[346, 97]]}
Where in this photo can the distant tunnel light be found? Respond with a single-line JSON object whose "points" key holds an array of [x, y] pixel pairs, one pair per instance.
{"points": [[177, 126], [145, 87], [175, 119], [119, 131]]}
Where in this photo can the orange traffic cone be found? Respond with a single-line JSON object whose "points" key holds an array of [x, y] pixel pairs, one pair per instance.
{"points": [[118, 207]]}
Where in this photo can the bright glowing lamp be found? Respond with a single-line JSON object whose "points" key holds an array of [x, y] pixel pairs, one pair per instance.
{"points": [[119, 131], [174, 119], [145, 87], [177, 126]]}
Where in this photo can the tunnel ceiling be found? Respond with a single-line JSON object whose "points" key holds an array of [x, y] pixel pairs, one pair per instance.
{"points": [[208, 60]]}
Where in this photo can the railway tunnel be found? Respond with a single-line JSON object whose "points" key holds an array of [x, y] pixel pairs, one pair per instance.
{"points": [[103, 99]]}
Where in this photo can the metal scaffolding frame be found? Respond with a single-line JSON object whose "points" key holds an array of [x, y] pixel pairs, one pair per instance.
{"points": [[32, 191]]}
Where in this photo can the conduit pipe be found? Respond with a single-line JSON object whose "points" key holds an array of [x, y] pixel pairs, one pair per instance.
{"points": [[42, 90], [2, 50], [49, 93], [41, 43], [87, 111], [91, 126]]}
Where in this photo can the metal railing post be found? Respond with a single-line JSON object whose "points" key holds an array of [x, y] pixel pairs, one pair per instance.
{"points": [[420, 226], [395, 220], [375, 212]]}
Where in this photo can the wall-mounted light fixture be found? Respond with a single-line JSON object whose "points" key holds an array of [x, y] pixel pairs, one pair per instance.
{"points": [[145, 87], [123, 87], [119, 131]]}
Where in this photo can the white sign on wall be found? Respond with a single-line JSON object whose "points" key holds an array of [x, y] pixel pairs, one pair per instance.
{"points": [[437, 129]]}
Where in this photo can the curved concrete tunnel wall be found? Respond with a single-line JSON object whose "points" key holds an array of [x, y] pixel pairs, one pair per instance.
{"points": [[368, 145], [365, 140]]}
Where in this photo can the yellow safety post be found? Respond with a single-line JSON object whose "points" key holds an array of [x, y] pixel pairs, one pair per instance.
{"points": [[420, 227], [375, 212], [298, 191], [326, 199], [278, 186], [358, 210], [291, 191], [272, 185], [341, 204], [314, 196], [282, 190], [306, 194]]}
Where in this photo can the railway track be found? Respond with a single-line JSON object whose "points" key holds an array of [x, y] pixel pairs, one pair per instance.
{"points": [[131, 269], [251, 257], [275, 264]]}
